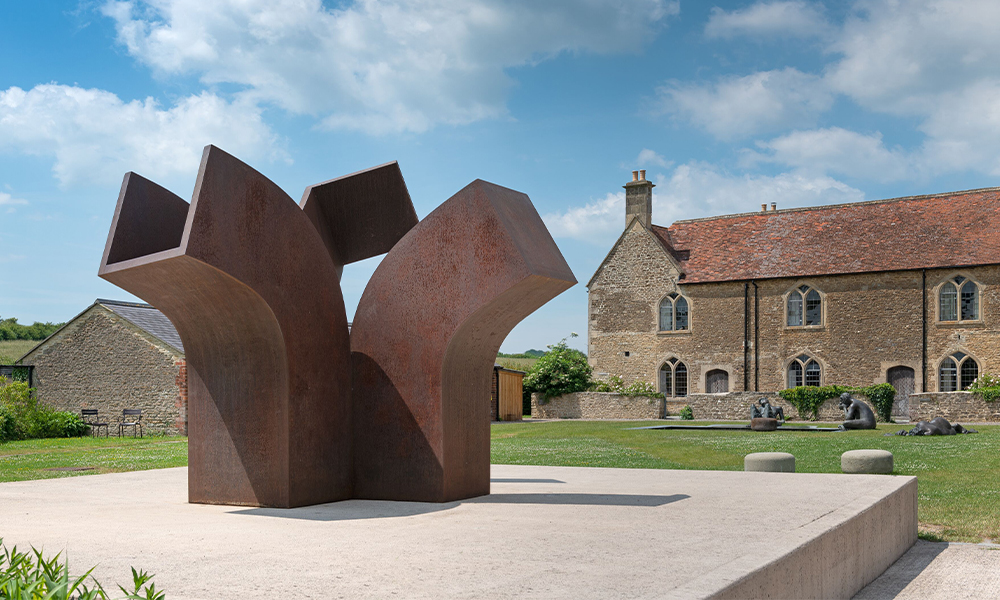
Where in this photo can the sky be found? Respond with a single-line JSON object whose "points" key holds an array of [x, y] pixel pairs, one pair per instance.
{"points": [[726, 105]]}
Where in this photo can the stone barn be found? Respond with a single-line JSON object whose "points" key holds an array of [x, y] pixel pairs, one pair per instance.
{"points": [[112, 356]]}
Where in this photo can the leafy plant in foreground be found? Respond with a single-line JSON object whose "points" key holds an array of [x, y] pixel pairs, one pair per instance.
{"points": [[31, 576], [687, 414], [986, 387], [562, 370]]}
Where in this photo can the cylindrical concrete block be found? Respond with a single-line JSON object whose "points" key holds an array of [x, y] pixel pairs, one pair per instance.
{"points": [[866, 461], [777, 462]]}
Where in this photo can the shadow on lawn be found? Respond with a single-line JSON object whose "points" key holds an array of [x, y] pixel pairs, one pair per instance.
{"points": [[351, 510]]}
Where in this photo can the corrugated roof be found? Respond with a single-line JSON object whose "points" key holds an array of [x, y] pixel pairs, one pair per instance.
{"points": [[147, 318], [942, 230]]}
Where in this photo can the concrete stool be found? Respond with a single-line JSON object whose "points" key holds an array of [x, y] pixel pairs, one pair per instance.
{"points": [[775, 462], [866, 461]]}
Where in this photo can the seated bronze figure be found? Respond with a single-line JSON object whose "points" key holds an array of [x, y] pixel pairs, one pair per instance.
{"points": [[857, 414]]}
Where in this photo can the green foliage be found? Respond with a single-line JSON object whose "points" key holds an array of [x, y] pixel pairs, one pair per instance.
{"points": [[986, 387], [616, 385], [808, 398], [23, 418], [562, 370], [881, 396], [31, 576], [528, 354], [10, 329], [687, 414]]}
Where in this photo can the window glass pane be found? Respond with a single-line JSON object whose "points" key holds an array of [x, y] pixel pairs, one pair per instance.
{"points": [[794, 309], [970, 370], [948, 303], [947, 376], [680, 380], [814, 314], [812, 373], [794, 375], [970, 301], [681, 314], [665, 381], [666, 315]]}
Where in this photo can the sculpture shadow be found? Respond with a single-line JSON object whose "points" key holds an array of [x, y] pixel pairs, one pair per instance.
{"points": [[353, 510], [523, 480]]}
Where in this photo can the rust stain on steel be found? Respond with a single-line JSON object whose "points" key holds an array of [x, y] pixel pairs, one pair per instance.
{"points": [[285, 406], [426, 335], [256, 300]]}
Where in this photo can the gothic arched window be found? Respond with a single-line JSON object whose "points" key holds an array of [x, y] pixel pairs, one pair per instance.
{"points": [[804, 307], [957, 372], [674, 313], [958, 300], [804, 370], [674, 379]]}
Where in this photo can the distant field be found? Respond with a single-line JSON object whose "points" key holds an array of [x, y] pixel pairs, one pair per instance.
{"points": [[518, 364], [11, 350]]}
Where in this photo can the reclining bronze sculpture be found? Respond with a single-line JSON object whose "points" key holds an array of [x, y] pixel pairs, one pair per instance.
{"points": [[936, 426], [285, 406]]}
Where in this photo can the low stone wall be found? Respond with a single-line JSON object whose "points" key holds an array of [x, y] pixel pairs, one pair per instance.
{"points": [[961, 407], [596, 405], [735, 406]]}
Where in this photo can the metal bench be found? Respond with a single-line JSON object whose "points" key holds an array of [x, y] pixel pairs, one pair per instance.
{"points": [[131, 417], [92, 419]]}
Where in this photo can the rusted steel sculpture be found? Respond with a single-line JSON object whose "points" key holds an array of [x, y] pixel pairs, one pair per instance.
{"points": [[282, 410]]}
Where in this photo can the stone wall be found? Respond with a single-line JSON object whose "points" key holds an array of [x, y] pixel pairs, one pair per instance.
{"points": [[871, 323], [957, 407], [735, 406], [595, 405], [102, 361]]}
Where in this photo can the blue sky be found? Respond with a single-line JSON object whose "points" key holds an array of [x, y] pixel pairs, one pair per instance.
{"points": [[726, 105]]}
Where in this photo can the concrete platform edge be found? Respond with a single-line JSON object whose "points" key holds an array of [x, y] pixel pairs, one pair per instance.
{"points": [[834, 556]]}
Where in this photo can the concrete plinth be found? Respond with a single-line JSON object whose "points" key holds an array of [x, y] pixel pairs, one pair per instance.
{"points": [[866, 461], [544, 532], [774, 462]]}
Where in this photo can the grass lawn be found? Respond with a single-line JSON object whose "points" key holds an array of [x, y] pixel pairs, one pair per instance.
{"points": [[958, 476], [11, 350], [29, 459]]}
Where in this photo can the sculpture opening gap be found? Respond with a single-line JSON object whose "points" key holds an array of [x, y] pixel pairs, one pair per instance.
{"points": [[286, 407]]}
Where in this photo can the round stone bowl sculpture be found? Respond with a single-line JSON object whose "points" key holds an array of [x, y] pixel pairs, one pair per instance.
{"points": [[763, 424]]}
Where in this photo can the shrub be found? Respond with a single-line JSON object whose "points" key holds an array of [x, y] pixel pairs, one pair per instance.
{"points": [[881, 396], [986, 387], [808, 398], [562, 370], [26, 419], [31, 576], [687, 414], [616, 385]]}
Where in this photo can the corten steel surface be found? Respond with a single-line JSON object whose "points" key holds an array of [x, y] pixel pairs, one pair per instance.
{"points": [[426, 335], [284, 407], [247, 281], [360, 215]]}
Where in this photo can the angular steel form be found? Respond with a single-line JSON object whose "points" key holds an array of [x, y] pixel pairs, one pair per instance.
{"points": [[426, 335], [282, 410]]}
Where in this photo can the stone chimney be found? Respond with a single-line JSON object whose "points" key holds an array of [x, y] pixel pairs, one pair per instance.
{"points": [[639, 199]]}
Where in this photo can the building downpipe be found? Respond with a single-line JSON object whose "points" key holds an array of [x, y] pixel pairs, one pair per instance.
{"points": [[746, 336], [756, 339], [923, 328]]}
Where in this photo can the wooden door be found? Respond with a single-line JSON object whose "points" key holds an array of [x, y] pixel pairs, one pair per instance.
{"points": [[901, 378], [510, 405], [717, 382]]}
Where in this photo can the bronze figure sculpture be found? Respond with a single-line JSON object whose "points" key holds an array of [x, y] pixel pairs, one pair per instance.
{"points": [[936, 426], [857, 414], [285, 406], [766, 411]]}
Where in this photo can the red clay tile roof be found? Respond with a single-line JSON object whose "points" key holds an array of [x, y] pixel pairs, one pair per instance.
{"points": [[943, 230]]}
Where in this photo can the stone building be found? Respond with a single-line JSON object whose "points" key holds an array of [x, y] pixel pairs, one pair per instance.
{"points": [[905, 291], [113, 356]]}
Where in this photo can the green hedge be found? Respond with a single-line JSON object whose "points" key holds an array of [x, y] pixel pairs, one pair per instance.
{"points": [[22, 418], [807, 399]]}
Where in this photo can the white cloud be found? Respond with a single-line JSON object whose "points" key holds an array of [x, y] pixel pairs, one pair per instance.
{"points": [[649, 157], [95, 137], [695, 190], [376, 65], [735, 107], [838, 150], [8, 200], [792, 19]]}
